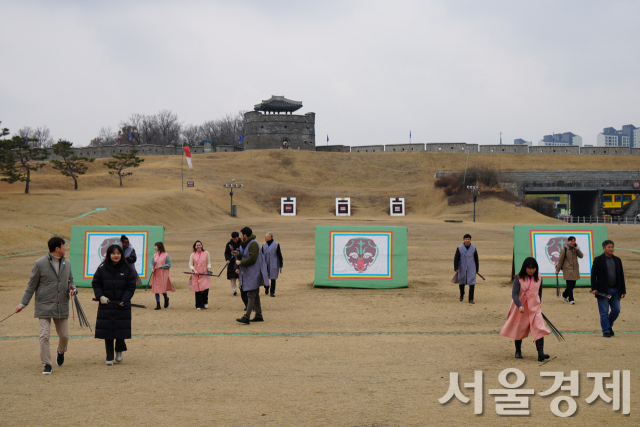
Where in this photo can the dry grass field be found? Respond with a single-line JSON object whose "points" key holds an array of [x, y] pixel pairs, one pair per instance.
{"points": [[334, 357]]}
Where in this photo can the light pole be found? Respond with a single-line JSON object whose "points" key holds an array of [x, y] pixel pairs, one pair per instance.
{"points": [[231, 187], [476, 190]]}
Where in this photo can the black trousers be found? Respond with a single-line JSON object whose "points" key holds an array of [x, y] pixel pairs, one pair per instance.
{"points": [[120, 346], [272, 288], [568, 293], [202, 298], [472, 288], [245, 298]]}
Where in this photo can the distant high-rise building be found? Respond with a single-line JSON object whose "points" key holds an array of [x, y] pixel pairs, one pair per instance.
{"points": [[627, 137], [521, 141], [565, 138]]}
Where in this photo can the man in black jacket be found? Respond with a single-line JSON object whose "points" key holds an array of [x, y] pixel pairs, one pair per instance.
{"points": [[607, 278]]}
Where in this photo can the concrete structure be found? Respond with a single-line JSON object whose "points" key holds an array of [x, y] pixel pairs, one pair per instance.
{"points": [[225, 148], [504, 149], [343, 206], [451, 147], [566, 138], [609, 151], [566, 149], [166, 150], [207, 146], [334, 148], [367, 149], [288, 206], [585, 187], [404, 148], [106, 151], [521, 141], [626, 137], [266, 128]]}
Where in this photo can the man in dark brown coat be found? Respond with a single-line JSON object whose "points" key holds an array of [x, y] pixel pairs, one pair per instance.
{"points": [[568, 263]]}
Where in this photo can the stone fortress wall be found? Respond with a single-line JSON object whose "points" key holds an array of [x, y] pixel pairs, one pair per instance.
{"points": [[268, 131], [433, 147], [462, 147], [106, 151]]}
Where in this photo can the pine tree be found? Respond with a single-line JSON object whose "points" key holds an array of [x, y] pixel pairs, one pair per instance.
{"points": [[70, 165], [123, 161], [18, 159]]}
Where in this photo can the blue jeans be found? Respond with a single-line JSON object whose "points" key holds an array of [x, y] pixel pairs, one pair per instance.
{"points": [[607, 318]]}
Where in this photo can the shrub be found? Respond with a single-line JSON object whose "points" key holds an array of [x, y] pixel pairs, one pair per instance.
{"points": [[481, 175], [484, 176], [446, 181]]}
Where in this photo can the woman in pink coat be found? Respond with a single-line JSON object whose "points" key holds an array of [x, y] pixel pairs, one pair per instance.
{"points": [[160, 280], [525, 314], [200, 265]]}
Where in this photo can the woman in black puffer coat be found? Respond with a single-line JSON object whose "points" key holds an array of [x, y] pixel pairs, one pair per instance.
{"points": [[114, 283]]}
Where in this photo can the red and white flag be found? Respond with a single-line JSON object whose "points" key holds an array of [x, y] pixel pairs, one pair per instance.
{"points": [[187, 153]]}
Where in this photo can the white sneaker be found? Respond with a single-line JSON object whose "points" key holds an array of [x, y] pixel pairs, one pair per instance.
{"points": [[109, 362], [572, 303], [206, 306], [198, 308], [118, 356], [564, 299]]}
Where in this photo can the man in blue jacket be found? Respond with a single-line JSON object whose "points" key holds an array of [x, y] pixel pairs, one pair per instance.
{"points": [[607, 278]]}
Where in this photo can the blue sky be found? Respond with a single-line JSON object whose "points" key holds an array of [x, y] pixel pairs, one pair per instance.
{"points": [[449, 71]]}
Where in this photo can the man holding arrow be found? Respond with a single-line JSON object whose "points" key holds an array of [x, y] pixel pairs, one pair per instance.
{"points": [[253, 275], [466, 265], [52, 282], [568, 263]]}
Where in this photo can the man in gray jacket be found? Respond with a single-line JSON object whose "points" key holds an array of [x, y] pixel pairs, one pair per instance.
{"points": [[568, 263], [253, 274], [52, 282]]}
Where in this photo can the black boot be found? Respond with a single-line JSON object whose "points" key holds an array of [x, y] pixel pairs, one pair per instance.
{"points": [[166, 302], [518, 349], [540, 348], [157, 306]]}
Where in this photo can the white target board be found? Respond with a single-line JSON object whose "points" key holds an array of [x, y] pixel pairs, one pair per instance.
{"points": [[343, 206], [288, 206], [396, 206]]}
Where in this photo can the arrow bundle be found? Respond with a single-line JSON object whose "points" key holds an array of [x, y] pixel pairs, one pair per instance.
{"points": [[553, 329], [81, 316]]}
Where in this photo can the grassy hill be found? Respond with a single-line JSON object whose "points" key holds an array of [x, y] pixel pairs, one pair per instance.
{"points": [[153, 195]]}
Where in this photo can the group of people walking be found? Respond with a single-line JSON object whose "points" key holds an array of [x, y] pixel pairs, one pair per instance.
{"points": [[525, 314], [115, 280], [254, 266]]}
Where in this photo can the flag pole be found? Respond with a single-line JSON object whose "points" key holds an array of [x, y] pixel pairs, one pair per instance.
{"points": [[182, 165]]}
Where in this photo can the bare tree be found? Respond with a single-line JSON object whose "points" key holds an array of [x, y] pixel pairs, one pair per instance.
{"points": [[165, 129], [107, 136], [168, 127], [191, 135], [145, 126], [128, 135], [227, 130], [39, 137], [210, 131]]}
